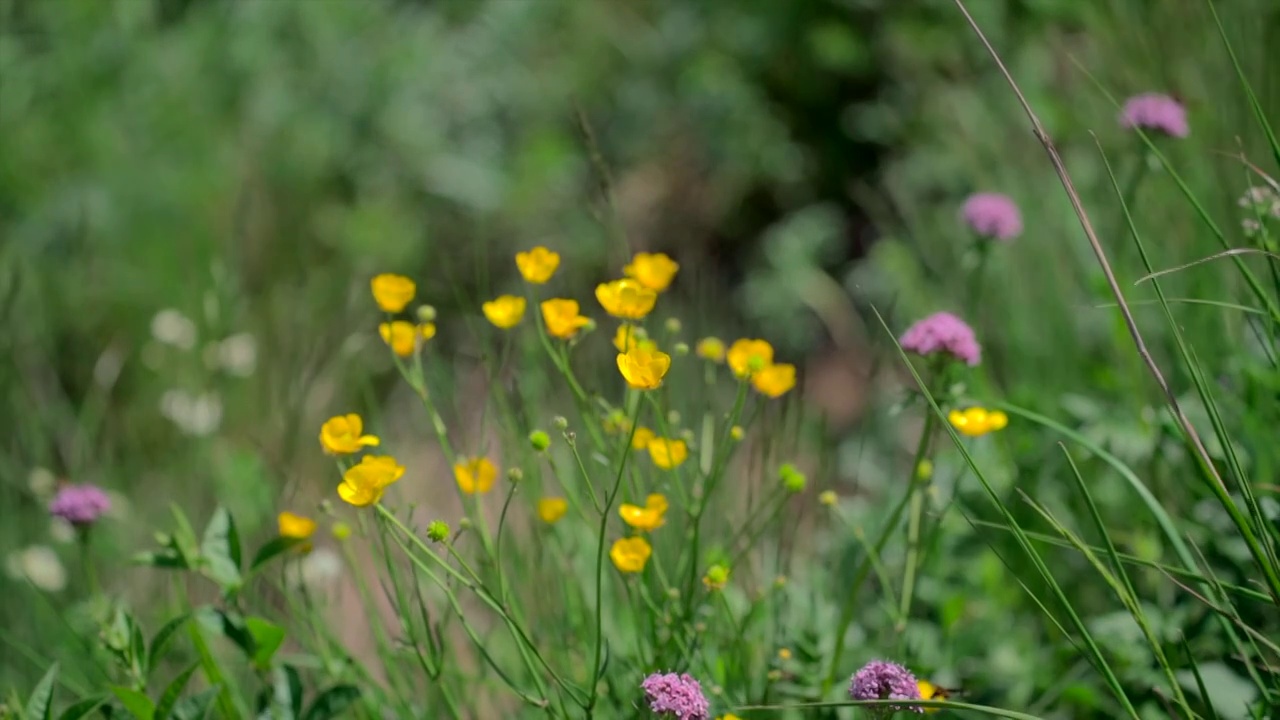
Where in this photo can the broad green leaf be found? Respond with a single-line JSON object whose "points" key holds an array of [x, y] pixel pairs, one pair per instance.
{"points": [[229, 625], [332, 702], [1230, 694], [271, 549], [138, 704], [171, 693], [82, 708], [267, 638], [220, 550], [40, 704], [160, 640]]}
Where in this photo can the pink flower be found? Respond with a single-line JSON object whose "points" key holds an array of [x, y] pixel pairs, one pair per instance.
{"points": [[679, 696], [943, 333], [1153, 111], [80, 505], [992, 215], [881, 680]]}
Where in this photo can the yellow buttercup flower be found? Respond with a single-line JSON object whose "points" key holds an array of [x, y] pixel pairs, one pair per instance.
{"points": [[728, 716], [668, 454], [644, 369], [343, 435], [629, 555], [774, 380], [295, 526], [648, 518], [504, 311], [392, 292], [403, 336], [363, 484], [475, 475], [630, 336], [652, 270], [538, 265], [562, 318], [551, 509], [749, 356], [626, 299], [640, 439], [977, 421], [711, 348]]}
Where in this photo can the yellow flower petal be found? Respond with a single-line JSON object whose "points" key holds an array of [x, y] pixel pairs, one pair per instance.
{"points": [[551, 509], [626, 299], [644, 369], [343, 435], [652, 270], [562, 318], [775, 380], [295, 526], [392, 292], [475, 475], [630, 555], [505, 311], [537, 265], [747, 357]]}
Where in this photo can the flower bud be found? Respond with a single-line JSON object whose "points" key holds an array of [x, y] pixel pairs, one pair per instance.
{"points": [[341, 530], [792, 479], [515, 475], [539, 440], [560, 422], [828, 498], [736, 432], [463, 524], [438, 531], [426, 313], [673, 325], [716, 578], [924, 470], [681, 348], [673, 417]]}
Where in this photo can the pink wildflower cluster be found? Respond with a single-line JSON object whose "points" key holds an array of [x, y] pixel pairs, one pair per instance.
{"points": [[943, 333]]}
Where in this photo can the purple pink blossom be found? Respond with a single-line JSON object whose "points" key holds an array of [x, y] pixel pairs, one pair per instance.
{"points": [[679, 696], [992, 215], [881, 680], [1154, 111], [943, 333], [80, 505]]}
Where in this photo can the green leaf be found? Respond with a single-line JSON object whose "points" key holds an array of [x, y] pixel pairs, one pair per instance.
{"points": [[283, 699], [220, 550], [197, 706], [332, 702], [138, 704], [82, 708], [271, 549], [1230, 694], [229, 625], [172, 693], [161, 639], [267, 638], [40, 704]]}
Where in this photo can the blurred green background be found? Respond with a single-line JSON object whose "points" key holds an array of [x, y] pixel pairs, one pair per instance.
{"points": [[193, 195]]}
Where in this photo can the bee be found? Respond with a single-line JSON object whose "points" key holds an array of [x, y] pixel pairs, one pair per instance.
{"points": [[929, 691]]}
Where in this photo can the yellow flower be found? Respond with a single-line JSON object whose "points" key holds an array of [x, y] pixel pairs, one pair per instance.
{"points": [[364, 484], [668, 454], [924, 470], [728, 716], [976, 421], [504, 311], [652, 270], [929, 691], [775, 380], [626, 299], [828, 498], [711, 348], [749, 356], [644, 369], [551, 509], [341, 435], [629, 336], [295, 526], [403, 336], [736, 432], [629, 555], [784, 653], [647, 518], [640, 440], [475, 475], [563, 320], [538, 265], [392, 292]]}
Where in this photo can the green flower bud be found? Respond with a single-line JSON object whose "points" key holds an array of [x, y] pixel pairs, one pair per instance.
{"points": [[792, 479], [560, 422], [539, 440], [515, 475], [426, 314], [681, 348], [673, 325], [438, 531]]}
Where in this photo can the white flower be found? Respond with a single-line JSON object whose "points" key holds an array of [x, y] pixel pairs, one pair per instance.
{"points": [[38, 564], [171, 327], [238, 354], [318, 570], [199, 416], [42, 482]]}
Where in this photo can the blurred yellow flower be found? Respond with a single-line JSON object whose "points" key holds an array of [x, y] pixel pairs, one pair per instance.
{"points": [[342, 435], [640, 440], [629, 336], [784, 653], [717, 577], [711, 348], [629, 555], [341, 530], [749, 356], [652, 270], [644, 369], [551, 509], [538, 265], [774, 380], [626, 299], [363, 484], [504, 311], [976, 421], [647, 518], [667, 453], [828, 498], [562, 318], [403, 336], [295, 526], [736, 432], [475, 475], [392, 292], [728, 716]]}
